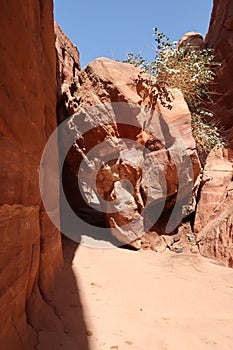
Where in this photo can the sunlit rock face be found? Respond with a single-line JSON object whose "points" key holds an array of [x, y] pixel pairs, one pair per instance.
{"points": [[140, 157], [193, 40], [30, 244]]}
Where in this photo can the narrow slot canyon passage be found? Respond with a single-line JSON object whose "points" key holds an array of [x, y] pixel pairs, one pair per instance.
{"points": [[150, 266]]}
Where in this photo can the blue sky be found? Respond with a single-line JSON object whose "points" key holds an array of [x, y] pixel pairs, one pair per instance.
{"points": [[114, 28]]}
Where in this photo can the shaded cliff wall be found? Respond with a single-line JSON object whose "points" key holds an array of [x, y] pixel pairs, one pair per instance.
{"points": [[220, 38], [214, 217], [30, 245]]}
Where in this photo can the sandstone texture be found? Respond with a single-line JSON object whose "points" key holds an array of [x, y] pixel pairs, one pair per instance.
{"points": [[131, 181], [67, 68], [136, 162], [139, 160], [30, 244], [220, 38], [213, 221], [192, 39], [217, 177], [214, 213]]}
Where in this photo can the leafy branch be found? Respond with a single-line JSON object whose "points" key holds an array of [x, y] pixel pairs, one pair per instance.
{"points": [[189, 69]]}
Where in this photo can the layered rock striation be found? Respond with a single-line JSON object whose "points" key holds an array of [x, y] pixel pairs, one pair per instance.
{"points": [[144, 159], [30, 244], [105, 82], [213, 221], [220, 38]]}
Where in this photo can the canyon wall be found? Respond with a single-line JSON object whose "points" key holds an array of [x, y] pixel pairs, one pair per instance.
{"points": [[220, 38], [107, 98], [214, 213], [30, 245], [105, 81], [34, 83]]}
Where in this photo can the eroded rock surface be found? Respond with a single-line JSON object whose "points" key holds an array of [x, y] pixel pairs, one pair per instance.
{"points": [[213, 219], [214, 214], [220, 38], [139, 160], [30, 244], [192, 39]]}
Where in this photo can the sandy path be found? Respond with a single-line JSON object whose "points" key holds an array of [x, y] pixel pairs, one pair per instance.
{"points": [[146, 300]]}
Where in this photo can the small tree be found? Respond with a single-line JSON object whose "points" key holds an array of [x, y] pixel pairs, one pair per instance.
{"points": [[190, 70]]}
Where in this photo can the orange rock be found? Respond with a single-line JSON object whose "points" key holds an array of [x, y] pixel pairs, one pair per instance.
{"points": [[28, 117], [217, 176], [192, 39], [214, 214], [220, 38], [164, 135]]}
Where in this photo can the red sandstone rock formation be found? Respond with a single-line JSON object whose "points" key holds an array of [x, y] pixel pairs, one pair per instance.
{"points": [[106, 81], [30, 244], [192, 39], [214, 213], [68, 62], [220, 38], [217, 177], [68, 66], [213, 220]]}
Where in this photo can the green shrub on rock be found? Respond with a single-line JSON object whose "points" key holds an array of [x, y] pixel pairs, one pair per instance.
{"points": [[191, 70]]}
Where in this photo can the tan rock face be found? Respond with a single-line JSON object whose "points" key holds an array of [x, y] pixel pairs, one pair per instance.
{"points": [[217, 177], [213, 222], [215, 240], [132, 175], [68, 62], [153, 241], [220, 38], [30, 247], [68, 66], [192, 39]]}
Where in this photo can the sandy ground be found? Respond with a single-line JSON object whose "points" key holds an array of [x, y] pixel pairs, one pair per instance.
{"points": [[143, 300]]}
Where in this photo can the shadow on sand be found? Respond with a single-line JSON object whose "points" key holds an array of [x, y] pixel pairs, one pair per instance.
{"points": [[67, 306]]}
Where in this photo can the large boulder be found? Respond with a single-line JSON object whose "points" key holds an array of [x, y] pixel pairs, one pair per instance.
{"points": [[193, 40], [139, 158]]}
